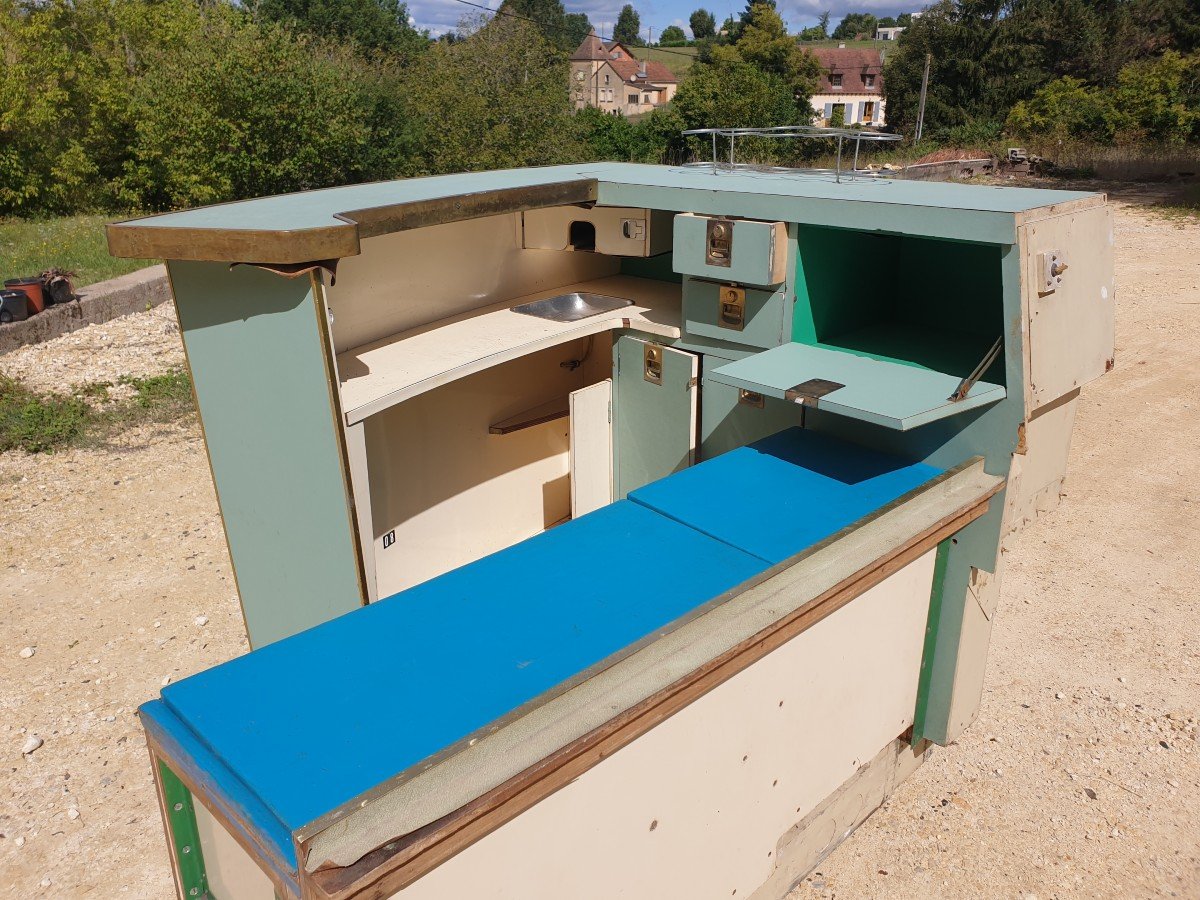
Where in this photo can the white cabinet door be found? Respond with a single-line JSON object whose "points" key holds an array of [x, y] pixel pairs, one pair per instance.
{"points": [[591, 448]]}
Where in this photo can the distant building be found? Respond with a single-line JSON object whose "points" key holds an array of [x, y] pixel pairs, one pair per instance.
{"points": [[609, 77], [851, 80], [888, 34]]}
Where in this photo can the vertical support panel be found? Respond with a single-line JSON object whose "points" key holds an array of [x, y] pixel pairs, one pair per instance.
{"points": [[257, 347], [935, 613], [182, 833]]}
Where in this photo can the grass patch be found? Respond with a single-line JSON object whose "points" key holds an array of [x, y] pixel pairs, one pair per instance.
{"points": [[75, 243], [43, 423], [1185, 207], [677, 59], [39, 423]]}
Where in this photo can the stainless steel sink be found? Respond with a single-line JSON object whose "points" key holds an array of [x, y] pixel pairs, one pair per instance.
{"points": [[572, 307]]}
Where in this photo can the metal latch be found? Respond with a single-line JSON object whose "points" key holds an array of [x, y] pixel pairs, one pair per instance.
{"points": [[719, 243], [733, 307], [633, 229], [807, 393], [751, 398], [1051, 264], [652, 363]]}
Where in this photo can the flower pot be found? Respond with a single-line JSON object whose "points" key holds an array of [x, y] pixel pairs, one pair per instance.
{"points": [[14, 306], [31, 288]]}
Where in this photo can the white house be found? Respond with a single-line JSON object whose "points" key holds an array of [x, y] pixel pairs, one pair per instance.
{"points": [[852, 81], [888, 34]]}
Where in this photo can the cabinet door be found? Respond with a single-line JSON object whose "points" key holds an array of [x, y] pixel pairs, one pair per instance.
{"points": [[654, 413], [591, 448]]}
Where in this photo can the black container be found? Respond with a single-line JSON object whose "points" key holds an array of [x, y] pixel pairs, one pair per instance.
{"points": [[14, 306]]}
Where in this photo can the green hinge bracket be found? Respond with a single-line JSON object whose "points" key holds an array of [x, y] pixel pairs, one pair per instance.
{"points": [[931, 633], [185, 836]]}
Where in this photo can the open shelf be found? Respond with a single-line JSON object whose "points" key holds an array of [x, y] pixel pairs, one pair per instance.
{"points": [[385, 372], [889, 393], [538, 415]]}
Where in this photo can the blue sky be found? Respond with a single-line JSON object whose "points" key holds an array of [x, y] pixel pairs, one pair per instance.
{"points": [[441, 15]]}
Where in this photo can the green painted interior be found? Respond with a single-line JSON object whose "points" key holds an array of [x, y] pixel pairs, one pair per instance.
{"points": [[652, 423], [934, 619], [929, 303], [258, 365], [181, 818], [658, 267], [726, 424]]}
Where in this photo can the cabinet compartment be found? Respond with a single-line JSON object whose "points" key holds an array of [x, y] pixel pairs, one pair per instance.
{"points": [[608, 230], [731, 417], [742, 250], [758, 318]]}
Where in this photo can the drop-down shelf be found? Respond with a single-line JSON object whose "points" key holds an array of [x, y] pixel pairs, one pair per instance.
{"points": [[886, 393], [538, 415]]}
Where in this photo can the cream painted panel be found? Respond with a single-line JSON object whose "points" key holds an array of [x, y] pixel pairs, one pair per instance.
{"points": [[694, 809], [449, 491], [1037, 476], [231, 872], [591, 448], [550, 229], [408, 278], [1071, 329]]}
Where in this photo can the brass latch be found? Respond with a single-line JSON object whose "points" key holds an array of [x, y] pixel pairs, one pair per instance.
{"points": [[652, 363], [807, 393], [751, 398], [733, 307], [719, 243]]}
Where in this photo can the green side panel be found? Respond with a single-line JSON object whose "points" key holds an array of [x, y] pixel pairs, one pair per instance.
{"points": [[185, 838], [931, 627], [658, 268], [726, 424], [258, 365], [653, 424]]}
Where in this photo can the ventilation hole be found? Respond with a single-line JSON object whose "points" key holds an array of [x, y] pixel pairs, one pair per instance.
{"points": [[582, 236], [653, 824]]}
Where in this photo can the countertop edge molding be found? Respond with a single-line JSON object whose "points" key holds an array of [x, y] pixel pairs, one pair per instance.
{"points": [[141, 239]]}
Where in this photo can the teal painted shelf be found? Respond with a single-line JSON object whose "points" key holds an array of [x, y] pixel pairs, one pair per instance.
{"points": [[886, 393]]}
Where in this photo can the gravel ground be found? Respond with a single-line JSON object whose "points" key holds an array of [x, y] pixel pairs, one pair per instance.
{"points": [[1081, 777]]}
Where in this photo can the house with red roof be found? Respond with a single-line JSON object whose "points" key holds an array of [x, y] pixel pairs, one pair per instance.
{"points": [[852, 83], [607, 76]]}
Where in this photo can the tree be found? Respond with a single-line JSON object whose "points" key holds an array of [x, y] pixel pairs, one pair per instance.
{"points": [[370, 24], [673, 36], [704, 24], [765, 43], [886, 22], [734, 93], [628, 26], [566, 32], [854, 24]]}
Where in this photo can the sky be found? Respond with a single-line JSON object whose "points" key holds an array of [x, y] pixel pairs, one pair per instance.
{"points": [[442, 15]]}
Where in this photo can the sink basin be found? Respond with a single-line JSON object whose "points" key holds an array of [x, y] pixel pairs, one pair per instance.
{"points": [[572, 307]]}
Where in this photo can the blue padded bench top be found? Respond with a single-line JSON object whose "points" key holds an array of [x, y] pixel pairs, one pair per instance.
{"points": [[304, 725], [781, 495]]}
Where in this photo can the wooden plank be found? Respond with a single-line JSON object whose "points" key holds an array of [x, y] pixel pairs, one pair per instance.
{"points": [[399, 863], [591, 448], [558, 408]]}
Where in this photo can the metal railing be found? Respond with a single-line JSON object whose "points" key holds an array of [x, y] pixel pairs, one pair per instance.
{"points": [[790, 132]]}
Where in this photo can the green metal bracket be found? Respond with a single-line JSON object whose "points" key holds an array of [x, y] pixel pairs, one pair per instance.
{"points": [[185, 837], [931, 627]]}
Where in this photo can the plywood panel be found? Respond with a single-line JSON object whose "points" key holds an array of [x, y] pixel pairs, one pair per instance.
{"points": [[255, 346], [406, 279], [696, 807], [591, 448], [445, 492]]}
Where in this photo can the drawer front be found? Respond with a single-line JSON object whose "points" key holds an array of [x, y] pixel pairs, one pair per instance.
{"points": [[746, 251], [751, 317]]}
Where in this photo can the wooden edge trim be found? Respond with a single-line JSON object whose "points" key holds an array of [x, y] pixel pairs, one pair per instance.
{"points": [[379, 220], [396, 865], [286, 887], [142, 239], [1066, 207], [160, 793], [133, 240]]}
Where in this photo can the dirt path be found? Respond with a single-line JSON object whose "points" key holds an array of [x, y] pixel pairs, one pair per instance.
{"points": [[109, 559]]}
